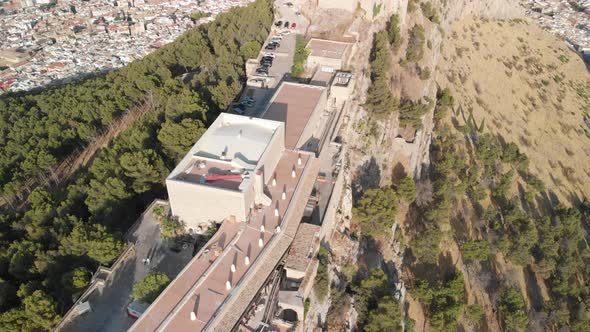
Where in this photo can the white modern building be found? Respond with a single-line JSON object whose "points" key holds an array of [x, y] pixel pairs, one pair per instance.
{"points": [[224, 173]]}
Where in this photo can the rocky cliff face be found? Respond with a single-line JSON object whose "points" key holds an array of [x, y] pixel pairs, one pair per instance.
{"points": [[379, 150], [381, 141]]}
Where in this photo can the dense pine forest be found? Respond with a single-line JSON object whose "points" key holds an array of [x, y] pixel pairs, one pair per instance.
{"points": [[57, 235]]}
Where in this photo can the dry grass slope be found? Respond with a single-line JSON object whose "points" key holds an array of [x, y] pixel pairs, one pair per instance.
{"points": [[530, 89]]}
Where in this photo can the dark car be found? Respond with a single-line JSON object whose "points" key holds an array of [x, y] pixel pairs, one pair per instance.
{"points": [[239, 108], [262, 71], [286, 24], [279, 23], [270, 47]]}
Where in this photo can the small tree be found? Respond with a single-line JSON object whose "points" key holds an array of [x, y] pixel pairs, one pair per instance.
{"points": [[250, 49], [415, 50], [406, 189], [386, 317], [376, 211], [77, 279], [512, 310], [393, 32], [41, 309], [475, 250], [425, 73], [170, 227], [474, 312], [150, 287], [301, 54], [321, 285]]}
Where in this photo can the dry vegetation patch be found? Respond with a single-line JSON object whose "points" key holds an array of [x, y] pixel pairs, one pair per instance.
{"points": [[530, 89]]}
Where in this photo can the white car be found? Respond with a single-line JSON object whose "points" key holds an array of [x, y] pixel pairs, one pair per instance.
{"points": [[284, 33], [270, 55]]}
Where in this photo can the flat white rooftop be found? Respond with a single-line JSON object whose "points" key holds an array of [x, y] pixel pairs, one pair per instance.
{"points": [[233, 144], [236, 139]]}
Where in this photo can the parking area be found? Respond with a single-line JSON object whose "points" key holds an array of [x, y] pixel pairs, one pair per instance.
{"points": [[108, 303], [260, 89]]}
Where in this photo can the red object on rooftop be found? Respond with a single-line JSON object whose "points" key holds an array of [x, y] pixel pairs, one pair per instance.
{"points": [[216, 177]]}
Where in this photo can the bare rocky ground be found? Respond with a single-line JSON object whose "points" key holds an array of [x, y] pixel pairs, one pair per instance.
{"points": [[528, 87]]}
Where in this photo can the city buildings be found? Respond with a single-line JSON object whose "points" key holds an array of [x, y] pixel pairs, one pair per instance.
{"points": [[47, 42], [567, 19]]}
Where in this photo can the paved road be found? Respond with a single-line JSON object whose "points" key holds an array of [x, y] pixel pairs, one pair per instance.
{"points": [[109, 305]]}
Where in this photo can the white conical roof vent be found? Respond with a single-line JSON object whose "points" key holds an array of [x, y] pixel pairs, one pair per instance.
{"points": [[260, 243], [278, 229], [299, 160], [262, 228], [284, 195], [247, 260], [276, 212], [193, 316], [274, 181], [233, 268], [293, 174], [228, 285]]}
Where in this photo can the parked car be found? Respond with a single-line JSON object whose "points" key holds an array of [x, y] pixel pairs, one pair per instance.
{"points": [[279, 23], [286, 32], [239, 108], [247, 103], [277, 38], [262, 71], [270, 47], [289, 4], [293, 26], [269, 55], [286, 24], [298, 13]]}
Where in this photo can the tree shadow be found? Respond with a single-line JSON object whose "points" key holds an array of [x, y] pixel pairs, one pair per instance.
{"points": [[398, 173], [368, 176]]}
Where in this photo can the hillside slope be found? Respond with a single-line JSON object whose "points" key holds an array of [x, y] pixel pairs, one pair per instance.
{"points": [[529, 88]]}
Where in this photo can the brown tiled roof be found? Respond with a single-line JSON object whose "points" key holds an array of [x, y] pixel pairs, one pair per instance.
{"points": [[201, 286], [232, 311], [293, 104], [302, 247]]}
